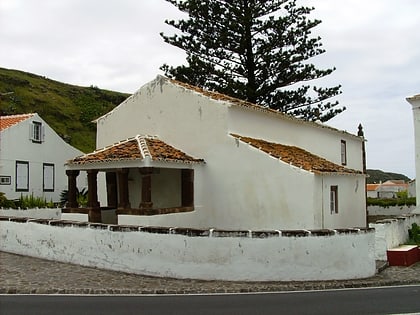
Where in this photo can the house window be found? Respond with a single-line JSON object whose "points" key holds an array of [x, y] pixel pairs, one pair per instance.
{"points": [[22, 176], [37, 132], [5, 180], [343, 153], [48, 177], [334, 199]]}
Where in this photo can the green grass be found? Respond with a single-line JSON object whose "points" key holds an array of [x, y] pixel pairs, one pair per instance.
{"points": [[68, 109]]}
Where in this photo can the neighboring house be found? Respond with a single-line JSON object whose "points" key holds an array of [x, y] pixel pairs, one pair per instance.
{"points": [[176, 155], [388, 189], [32, 158]]}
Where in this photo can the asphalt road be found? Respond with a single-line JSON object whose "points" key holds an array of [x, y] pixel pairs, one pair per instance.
{"points": [[389, 300]]}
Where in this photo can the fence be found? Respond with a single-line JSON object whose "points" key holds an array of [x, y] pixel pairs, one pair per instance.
{"points": [[193, 253]]}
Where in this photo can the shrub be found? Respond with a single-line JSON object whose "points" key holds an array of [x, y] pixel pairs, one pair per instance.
{"points": [[6, 203], [414, 234], [391, 202]]}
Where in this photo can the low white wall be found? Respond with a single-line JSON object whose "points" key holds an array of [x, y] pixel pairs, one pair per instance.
{"points": [[390, 233], [209, 255], [37, 213], [393, 210], [82, 217]]}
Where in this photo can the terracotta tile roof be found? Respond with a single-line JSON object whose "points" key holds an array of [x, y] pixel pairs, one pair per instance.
{"points": [[8, 121], [297, 156], [136, 148], [372, 187], [238, 102]]}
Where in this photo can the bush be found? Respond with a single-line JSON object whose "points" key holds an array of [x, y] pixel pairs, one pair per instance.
{"points": [[30, 202], [6, 203], [385, 203], [414, 234]]}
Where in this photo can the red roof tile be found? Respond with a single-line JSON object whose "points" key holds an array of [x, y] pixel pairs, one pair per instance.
{"points": [[297, 156], [8, 121], [136, 148]]}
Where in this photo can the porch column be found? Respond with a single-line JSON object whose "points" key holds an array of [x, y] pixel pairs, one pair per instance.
{"points": [[123, 188], [146, 188], [111, 189], [187, 188], [72, 188], [93, 203]]}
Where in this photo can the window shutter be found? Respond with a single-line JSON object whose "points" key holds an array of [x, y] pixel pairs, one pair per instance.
{"points": [[42, 133]]}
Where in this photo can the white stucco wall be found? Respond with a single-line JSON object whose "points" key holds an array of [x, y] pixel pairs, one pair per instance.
{"points": [[351, 201], [415, 103], [391, 233], [392, 210], [38, 213], [239, 187], [166, 188], [17, 146], [341, 256]]}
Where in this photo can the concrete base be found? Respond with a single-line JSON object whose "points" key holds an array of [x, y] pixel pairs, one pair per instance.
{"points": [[405, 255]]}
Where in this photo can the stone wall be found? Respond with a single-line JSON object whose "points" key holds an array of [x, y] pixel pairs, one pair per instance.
{"points": [[194, 253], [37, 213], [392, 210], [390, 233]]}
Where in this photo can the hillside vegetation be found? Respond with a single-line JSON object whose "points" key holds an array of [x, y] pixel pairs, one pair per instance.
{"points": [[68, 109], [377, 176]]}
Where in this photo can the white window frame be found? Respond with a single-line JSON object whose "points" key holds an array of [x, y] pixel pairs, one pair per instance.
{"points": [[334, 199], [5, 180], [37, 132], [48, 176], [343, 152], [22, 176]]}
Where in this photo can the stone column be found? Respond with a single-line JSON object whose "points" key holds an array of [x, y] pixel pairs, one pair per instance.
{"points": [[187, 188], [415, 103], [93, 203], [72, 188], [146, 188], [123, 189], [111, 189]]}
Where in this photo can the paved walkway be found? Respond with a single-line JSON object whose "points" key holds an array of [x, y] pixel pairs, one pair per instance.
{"points": [[27, 275]]}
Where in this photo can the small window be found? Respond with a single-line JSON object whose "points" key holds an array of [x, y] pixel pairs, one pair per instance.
{"points": [[37, 132], [343, 153], [22, 176], [334, 199], [5, 180], [48, 175]]}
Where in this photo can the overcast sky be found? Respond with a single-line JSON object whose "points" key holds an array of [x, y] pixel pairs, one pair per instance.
{"points": [[115, 45]]}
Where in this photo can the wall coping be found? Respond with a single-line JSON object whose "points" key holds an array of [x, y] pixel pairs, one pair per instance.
{"points": [[190, 232]]}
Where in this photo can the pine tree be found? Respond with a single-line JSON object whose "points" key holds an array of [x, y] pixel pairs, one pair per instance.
{"points": [[256, 50]]}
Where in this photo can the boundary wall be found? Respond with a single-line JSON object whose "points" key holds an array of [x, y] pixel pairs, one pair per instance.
{"points": [[194, 253], [390, 233], [391, 210], [36, 213]]}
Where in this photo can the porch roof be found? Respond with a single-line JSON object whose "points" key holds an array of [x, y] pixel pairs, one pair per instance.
{"points": [[297, 157], [138, 148]]}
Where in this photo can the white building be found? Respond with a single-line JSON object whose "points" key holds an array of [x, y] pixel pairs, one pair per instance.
{"points": [[176, 155], [415, 103], [32, 158], [387, 189]]}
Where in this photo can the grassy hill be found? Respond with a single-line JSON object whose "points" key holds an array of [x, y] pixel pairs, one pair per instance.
{"points": [[68, 109], [377, 176]]}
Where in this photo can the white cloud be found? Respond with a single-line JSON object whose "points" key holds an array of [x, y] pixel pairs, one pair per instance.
{"points": [[374, 44]]}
